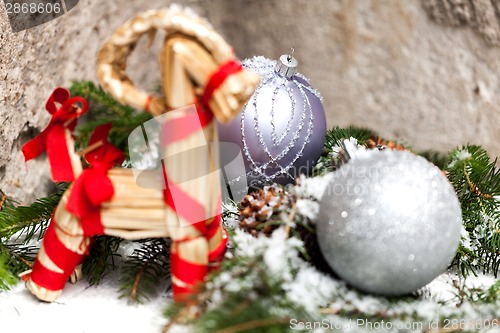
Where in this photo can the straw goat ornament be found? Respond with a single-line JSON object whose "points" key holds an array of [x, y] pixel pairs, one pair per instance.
{"points": [[197, 67]]}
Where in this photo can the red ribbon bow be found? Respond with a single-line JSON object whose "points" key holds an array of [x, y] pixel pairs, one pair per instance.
{"points": [[53, 137], [93, 187]]}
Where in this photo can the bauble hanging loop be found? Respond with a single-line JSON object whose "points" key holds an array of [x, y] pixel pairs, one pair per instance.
{"points": [[287, 65]]}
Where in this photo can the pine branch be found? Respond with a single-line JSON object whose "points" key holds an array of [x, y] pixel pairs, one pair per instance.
{"points": [[104, 109], [19, 225], [476, 180], [105, 104], [145, 269], [490, 295], [333, 140], [22, 258], [7, 277], [239, 315], [335, 136], [30, 220], [101, 260], [14, 259]]}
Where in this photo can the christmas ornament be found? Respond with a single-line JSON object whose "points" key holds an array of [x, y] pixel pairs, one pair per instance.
{"points": [[389, 222], [281, 130], [108, 201]]}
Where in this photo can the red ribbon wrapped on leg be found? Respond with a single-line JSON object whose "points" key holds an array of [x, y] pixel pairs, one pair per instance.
{"points": [[61, 256]]}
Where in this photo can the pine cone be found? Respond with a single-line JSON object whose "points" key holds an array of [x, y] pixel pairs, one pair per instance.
{"points": [[258, 208], [379, 143], [260, 213]]}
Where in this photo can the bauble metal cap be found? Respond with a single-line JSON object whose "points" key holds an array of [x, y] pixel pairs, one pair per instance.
{"points": [[286, 66]]}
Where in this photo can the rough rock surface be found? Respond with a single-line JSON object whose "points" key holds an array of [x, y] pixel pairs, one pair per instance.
{"points": [[383, 64], [481, 15]]}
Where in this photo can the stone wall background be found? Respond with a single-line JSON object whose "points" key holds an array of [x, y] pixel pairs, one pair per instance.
{"points": [[394, 66]]}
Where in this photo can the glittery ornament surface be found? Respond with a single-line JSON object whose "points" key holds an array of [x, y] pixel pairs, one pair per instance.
{"points": [[389, 222], [281, 130]]}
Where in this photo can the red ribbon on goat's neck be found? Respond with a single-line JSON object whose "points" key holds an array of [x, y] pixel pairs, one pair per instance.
{"points": [[93, 187], [53, 138], [214, 82]]}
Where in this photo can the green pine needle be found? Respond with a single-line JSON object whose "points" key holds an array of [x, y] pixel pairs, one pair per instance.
{"points": [[28, 221], [239, 314], [19, 225], [15, 259], [145, 270], [104, 109], [333, 141], [335, 136], [101, 260], [476, 180], [490, 295], [7, 276]]}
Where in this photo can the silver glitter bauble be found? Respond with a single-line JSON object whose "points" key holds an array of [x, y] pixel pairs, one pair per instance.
{"points": [[389, 222], [281, 130]]}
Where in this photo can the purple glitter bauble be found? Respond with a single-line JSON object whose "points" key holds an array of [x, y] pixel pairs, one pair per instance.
{"points": [[281, 130]]}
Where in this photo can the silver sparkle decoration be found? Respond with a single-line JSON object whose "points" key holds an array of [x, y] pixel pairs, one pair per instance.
{"points": [[389, 222], [281, 130]]}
